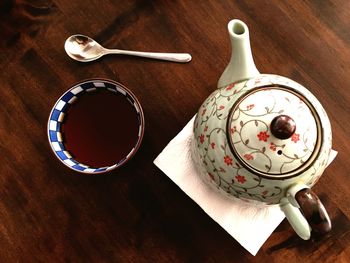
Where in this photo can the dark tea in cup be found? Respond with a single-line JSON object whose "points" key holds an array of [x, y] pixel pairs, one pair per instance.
{"points": [[96, 126]]}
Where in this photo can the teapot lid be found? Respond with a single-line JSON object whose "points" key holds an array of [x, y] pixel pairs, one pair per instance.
{"points": [[274, 131]]}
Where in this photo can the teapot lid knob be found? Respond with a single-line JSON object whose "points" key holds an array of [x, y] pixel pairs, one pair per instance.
{"points": [[283, 127]]}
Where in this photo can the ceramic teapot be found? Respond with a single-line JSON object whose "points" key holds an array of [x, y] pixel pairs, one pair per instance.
{"points": [[264, 138]]}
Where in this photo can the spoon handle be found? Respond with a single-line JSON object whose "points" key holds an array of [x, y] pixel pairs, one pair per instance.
{"points": [[175, 57]]}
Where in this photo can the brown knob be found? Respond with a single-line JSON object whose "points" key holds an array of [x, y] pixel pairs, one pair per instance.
{"points": [[282, 127]]}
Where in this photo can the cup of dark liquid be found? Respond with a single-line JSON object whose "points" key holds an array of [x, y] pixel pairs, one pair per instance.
{"points": [[96, 126]]}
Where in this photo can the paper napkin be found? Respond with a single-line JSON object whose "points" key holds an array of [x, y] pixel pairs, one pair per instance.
{"points": [[250, 225]]}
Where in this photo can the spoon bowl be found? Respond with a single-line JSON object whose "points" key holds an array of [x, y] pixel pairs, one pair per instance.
{"points": [[85, 49]]}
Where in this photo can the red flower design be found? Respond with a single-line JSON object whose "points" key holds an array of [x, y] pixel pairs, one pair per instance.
{"points": [[241, 179], [229, 87], [221, 107], [201, 138], [249, 157], [211, 176], [257, 81], [228, 160], [265, 193], [232, 130], [251, 106], [263, 136], [212, 145], [205, 128], [295, 137], [273, 146], [203, 112]]}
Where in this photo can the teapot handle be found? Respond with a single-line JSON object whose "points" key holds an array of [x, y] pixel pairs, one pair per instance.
{"points": [[295, 219], [305, 212], [313, 211]]}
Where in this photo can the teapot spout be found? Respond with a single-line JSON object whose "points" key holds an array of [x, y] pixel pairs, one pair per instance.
{"points": [[241, 65]]}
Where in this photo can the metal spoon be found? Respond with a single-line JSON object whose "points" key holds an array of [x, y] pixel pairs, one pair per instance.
{"points": [[84, 49]]}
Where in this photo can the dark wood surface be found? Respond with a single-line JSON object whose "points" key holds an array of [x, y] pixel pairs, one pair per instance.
{"points": [[136, 214]]}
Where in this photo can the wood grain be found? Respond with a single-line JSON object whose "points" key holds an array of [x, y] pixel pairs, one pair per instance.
{"points": [[136, 214]]}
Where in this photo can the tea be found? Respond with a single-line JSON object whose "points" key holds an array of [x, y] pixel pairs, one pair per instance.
{"points": [[100, 128]]}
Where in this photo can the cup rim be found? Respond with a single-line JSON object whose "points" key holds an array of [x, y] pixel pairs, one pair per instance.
{"points": [[138, 107]]}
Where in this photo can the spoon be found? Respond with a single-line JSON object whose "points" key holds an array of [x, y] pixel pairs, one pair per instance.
{"points": [[84, 49]]}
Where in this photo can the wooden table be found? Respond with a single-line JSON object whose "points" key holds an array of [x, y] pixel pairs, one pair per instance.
{"points": [[49, 213]]}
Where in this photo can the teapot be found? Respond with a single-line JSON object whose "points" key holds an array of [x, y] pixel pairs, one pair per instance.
{"points": [[264, 139]]}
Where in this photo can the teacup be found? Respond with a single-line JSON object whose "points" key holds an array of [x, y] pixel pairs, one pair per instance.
{"points": [[96, 126]]}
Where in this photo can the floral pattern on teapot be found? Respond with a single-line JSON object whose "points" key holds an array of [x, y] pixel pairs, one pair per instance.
{"points": [[227, 173], [251, 138]]}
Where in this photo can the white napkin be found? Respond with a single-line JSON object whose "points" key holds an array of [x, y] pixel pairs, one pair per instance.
{"points": [[248, 224]]}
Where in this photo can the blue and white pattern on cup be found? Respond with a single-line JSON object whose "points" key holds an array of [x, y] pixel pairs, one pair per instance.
{"points": [[57, 116]]}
